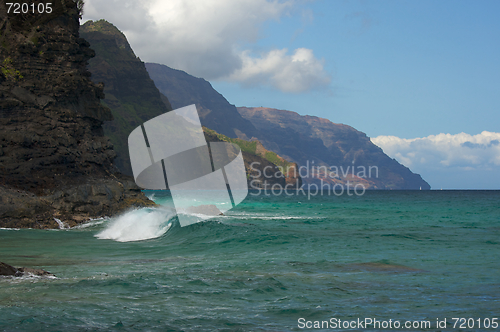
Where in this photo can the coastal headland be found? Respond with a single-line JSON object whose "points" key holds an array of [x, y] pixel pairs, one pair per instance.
{"points": [[55, 162]]}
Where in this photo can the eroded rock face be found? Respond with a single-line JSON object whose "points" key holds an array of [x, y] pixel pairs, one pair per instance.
{"points": [[55, 161], [71, 206]]}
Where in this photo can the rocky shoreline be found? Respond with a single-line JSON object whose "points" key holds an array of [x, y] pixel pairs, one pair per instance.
{"points": [[72, 206]]}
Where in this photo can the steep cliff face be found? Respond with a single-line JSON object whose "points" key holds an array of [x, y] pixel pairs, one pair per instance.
{"points": [[130, 94], [215, 111], [312, 141], [55, 161], [134, 99]]}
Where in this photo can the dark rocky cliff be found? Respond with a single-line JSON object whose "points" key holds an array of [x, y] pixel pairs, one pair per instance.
{"points": [[133, 98], [55, 161], [130, 94]]}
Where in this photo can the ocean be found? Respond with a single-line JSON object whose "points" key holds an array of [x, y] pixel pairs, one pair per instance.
{"points": [[273, 263]]}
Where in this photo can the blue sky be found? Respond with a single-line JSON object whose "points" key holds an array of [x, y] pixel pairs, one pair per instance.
{"points": [[389, 68], [403, 68]]}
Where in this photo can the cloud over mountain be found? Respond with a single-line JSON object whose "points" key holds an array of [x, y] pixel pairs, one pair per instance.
{"points": [[213, 39], [298, 72]]}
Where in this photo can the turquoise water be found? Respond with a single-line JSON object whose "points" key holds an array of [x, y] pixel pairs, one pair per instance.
{"points": [[402, 255]]}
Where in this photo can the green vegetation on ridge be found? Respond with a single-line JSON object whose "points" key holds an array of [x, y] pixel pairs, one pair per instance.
{"points": [[246, 146], [249, 147]]}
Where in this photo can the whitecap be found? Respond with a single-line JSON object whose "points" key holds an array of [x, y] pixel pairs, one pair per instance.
{"points": [[137, 225], [91, 223]]}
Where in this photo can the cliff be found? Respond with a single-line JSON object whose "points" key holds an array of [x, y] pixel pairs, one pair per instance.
{"points": [[130, 93], [133, 99], [306, 140], [55, 161], [312, 141], [215, 111]]}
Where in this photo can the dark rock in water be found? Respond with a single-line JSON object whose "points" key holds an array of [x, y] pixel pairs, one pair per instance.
{"points": [[8, 270], [36, 272], [208, 209], [55, 161]]}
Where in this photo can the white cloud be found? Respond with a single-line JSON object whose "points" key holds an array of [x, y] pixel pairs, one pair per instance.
{"points": [[131, 15], [205, 38], [298, 72], [444, 151]]}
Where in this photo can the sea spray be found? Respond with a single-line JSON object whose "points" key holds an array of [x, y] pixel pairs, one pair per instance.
{"points": [[61, 224], [91, 223], [139, 224]]}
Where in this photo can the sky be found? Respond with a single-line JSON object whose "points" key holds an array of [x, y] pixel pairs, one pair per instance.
{"points": [[421, 78]]}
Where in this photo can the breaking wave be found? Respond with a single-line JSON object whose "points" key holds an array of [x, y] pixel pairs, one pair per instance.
{"points": [[137, 225]]}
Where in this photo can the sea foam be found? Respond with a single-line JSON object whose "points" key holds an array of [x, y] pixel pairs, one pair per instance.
{"points": [[140, 224]]}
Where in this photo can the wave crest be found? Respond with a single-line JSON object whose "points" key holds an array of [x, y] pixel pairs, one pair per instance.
{"points": [[137, 225]]}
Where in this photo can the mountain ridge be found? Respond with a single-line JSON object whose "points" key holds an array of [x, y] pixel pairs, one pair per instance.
{"points": [[328, 144], [304, 139], [215, 111], [134, 99]]}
